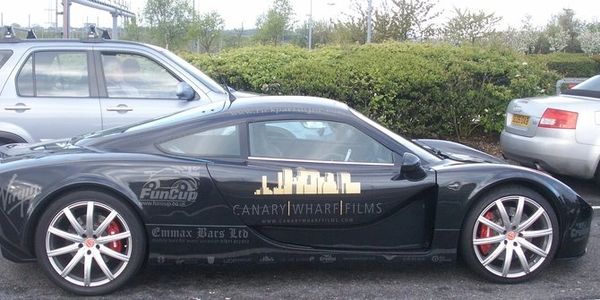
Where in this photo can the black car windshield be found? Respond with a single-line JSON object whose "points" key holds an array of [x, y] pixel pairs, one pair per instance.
{"points": [[417, 150], [187, 114], [588, 88]]}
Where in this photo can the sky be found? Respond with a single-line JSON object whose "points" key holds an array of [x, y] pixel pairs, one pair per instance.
{"points": [[238, 13]]}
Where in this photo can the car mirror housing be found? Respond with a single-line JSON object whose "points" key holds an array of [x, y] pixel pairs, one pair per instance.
{"points": [[185, 92], [410, 168], [410, 163]]}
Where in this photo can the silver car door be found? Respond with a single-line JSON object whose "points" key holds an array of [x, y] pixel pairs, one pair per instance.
{"points": [[51, 95], [135, 87]]}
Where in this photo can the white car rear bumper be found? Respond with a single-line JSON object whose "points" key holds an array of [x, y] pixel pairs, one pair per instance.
{"points": [[555, 150]]}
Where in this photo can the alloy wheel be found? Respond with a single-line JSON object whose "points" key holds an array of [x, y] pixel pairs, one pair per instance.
{"points": [[512, 236], [88, 243]]}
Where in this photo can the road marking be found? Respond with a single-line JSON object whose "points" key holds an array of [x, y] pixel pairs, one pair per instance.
{"points": [[596, 207]]}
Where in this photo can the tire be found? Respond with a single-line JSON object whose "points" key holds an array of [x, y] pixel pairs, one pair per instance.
{"points": [[488, 257], [597, 175], [59, 244]]}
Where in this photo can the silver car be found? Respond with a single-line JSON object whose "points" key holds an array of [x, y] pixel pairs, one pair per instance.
{"points": [[559, 134], [51, 89]]}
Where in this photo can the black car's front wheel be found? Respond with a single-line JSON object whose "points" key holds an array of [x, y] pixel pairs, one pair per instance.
{"points": [[89, 243], [510, 235]]}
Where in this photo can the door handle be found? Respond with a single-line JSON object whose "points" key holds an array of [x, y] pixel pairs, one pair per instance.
{"points": [[119, 108], [18, 107]]}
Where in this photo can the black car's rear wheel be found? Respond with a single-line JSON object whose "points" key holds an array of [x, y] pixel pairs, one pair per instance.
{"points": [[89, 243], [510, 235]]}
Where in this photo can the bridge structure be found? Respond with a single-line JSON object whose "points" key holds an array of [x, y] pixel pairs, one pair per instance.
{"points": [[117, 8]]}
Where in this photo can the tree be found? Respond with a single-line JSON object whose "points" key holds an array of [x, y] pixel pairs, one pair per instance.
{"points": [[590, 39], [271, 27], [401, 20], [412, 19], [353, 29], [572, 26], [467, 26], [322, 33], [168, 20], [521, 39], [206, 30], [557, 37], [133, 31]]}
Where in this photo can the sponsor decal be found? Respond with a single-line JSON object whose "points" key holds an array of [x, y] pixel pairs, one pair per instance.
{"points": [[266, 259], [200, 234], [309, 182], [327, 259], [237, 260], [337, 208], [296, 212], [307, 110], [580, 231], [359, 258], [176, 187], [440, 259], [17, 195], [411, 259], [390, 257]]}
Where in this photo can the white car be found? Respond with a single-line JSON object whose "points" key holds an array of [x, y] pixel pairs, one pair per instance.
{"points": [[558, 134]]}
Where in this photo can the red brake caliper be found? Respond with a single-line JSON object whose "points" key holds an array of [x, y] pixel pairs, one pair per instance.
{"points": [[114, 228], [485, 232]]}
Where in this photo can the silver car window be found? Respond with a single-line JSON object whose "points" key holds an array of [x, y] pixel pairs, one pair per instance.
{"points": [[54, 74], [315, 141], [4, 55], [135, 76]]}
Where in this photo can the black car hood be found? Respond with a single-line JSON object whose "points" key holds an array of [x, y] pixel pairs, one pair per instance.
{"points": [[459, 152]]}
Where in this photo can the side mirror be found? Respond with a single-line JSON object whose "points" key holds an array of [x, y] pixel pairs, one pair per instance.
{"points": [[410, 163], [410, 168], [185, 92]]}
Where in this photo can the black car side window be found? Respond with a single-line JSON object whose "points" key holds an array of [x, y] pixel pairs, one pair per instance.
{"points": [[315, 141], [222, 141]]}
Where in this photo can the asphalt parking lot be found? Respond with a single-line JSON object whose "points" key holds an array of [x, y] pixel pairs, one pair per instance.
{"points": [[563, 279]]}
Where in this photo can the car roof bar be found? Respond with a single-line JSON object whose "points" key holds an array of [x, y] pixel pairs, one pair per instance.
{"points": [[9, 33], [93, 34]]}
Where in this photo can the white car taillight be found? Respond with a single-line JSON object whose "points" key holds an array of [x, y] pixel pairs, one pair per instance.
{"points": [[560, 119]]}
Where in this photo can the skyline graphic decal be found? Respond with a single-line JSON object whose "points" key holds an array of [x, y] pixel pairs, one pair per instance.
{"points": [[309, 182]]}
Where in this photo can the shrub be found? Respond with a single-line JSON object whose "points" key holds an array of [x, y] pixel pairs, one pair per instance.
{"points": [[418, 90], [569, 64]]}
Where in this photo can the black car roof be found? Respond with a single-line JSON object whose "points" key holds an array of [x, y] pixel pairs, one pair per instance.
{"points": [[285, 104], [242, 108]]}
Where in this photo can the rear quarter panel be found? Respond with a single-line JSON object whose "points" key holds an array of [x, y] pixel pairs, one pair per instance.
{"points": [[29, 186]]}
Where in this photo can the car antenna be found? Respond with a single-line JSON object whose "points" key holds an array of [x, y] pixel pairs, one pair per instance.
{"points": [[228, 90]]}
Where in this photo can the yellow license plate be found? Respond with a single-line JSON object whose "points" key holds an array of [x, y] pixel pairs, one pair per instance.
{"points": [[520, 120]]}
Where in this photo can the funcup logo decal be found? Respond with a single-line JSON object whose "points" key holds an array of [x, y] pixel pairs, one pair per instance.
{"points": [[170, 187]]}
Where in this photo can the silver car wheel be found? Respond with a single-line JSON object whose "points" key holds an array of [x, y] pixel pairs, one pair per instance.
{"points": [[80, 247], [512, 236]]}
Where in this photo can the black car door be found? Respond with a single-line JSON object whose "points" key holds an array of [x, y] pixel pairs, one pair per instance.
{"points": [[326, 184]]}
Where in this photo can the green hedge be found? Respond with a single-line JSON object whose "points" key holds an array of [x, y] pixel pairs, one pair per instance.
{"points": [[569, 64], [418, 90]]}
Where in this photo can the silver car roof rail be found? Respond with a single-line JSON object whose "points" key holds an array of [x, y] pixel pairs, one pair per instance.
{"points": [[9, 33], [92, 33]]}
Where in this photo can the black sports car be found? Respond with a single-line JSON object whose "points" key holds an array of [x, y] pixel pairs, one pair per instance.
{"points": [[275, 179]]}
